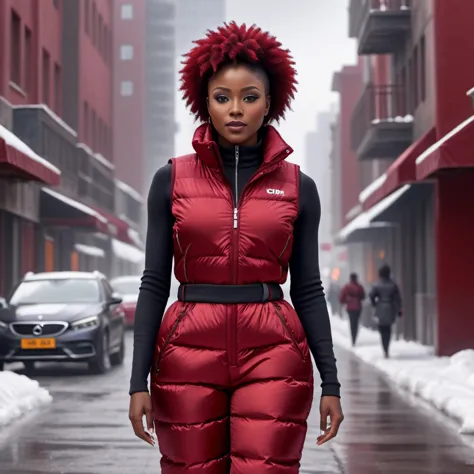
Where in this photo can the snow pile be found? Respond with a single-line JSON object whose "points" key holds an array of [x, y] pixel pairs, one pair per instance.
{"points": [[445, 382], [18, 395]]}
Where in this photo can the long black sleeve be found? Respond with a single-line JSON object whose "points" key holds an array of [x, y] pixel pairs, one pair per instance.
{"points": [[156, 280], [307, 294]]}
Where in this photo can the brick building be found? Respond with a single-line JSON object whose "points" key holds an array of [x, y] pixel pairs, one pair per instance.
{"points": [[30, 72], [414, 116], [56, 101]]}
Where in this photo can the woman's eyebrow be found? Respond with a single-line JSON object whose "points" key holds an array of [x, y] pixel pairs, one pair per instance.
{"points": [[242, 90]]}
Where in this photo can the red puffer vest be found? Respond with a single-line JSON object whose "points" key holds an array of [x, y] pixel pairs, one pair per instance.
{"points": [[218, 243], [224, 375]]}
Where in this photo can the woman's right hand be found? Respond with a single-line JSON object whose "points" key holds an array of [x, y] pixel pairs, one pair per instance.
{"points": [[140, 404]]}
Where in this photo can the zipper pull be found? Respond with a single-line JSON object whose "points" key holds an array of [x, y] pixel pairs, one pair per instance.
{"points": [[235, 218]]}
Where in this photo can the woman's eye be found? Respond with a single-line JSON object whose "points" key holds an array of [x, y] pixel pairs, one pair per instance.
{"points": [[251, 98], [221, 99]]}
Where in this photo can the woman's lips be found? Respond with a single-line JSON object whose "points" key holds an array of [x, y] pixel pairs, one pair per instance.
{"points": [[236, 126]]}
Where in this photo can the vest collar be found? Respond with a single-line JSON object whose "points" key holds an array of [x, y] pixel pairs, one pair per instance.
{"points": [[274, 148]]}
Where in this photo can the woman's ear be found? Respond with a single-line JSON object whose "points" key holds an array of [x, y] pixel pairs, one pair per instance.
{"points": [[267, 105]]}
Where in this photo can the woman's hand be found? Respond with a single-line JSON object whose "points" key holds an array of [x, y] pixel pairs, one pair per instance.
{"points": [[140, 404], [330, 406]]}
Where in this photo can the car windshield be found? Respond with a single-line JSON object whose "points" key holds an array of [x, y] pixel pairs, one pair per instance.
{"points": [[56, 291], [126, 287]]}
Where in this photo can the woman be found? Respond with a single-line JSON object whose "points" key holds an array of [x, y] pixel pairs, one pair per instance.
{"points": [[352, 296], [231, 376], [385, 298]]}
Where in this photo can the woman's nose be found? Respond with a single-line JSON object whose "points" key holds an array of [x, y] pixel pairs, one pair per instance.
{"points": [[236, 108]]}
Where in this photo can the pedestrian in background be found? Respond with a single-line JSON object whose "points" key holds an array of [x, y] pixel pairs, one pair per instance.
{"points": [[352, 295], [386, 299], [231, 373]]}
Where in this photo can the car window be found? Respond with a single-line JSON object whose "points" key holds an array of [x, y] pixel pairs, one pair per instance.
{"points": [[108, 289], [71, 290], [126, 286]]}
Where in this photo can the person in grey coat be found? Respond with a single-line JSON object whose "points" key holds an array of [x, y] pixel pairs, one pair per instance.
{"points": [[385, 298]]}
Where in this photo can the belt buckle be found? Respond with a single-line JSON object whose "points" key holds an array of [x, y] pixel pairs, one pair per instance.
{"points": [[266, 293]]}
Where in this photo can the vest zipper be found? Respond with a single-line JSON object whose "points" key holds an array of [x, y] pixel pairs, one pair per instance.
{"points": [[237, 156], [232, 326]]}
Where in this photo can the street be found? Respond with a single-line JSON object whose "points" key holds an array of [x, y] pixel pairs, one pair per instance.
{"points": [[86, 430]]}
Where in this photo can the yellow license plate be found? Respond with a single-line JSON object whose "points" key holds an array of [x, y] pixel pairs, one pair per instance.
{"points": [[40, 343]]}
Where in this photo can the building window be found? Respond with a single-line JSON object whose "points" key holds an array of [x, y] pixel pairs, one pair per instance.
{"points": [[87, 16], [46, 76], [27, 62], [105, 44], [86, 122], [126, 88], [423, 69], [126, 11], [15, 49], [100, 36], [94, 131], [57, 88], [94, 23], [126, 52]]}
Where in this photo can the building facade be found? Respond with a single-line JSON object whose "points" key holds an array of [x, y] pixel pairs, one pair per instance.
{"points": [[129, 97], [58, 188], [414, 116], [30, 71]]}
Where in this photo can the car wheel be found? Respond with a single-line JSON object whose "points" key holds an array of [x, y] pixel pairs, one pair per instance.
{"points": [[100, 364], [117, 357]]}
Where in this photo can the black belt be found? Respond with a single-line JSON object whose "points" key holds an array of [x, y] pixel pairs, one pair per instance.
{"points": [[230, 294]]}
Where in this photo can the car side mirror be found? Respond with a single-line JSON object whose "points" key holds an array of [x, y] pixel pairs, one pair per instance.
{"points": [[116, 298], [3, 303]]}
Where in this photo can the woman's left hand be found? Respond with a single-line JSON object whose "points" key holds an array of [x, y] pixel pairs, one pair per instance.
{"points": [[330, 406]]}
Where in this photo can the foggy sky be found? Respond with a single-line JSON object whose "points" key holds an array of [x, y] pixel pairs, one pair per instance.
{"points": [[316, 32]]}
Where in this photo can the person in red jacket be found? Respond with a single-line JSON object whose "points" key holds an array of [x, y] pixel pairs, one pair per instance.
{"points": [[352, 296], [231, 377]]}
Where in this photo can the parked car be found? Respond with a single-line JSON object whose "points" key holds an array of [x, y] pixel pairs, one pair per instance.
{"points": [[63, 316], [127, 287]]}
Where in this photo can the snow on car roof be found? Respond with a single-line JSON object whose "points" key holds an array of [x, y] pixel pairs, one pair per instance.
{"points": [[63, 276]]}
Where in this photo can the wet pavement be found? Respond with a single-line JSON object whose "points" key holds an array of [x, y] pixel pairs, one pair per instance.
{"points": [[86, 430]]}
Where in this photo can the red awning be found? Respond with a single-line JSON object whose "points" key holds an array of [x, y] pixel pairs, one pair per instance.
{"points": [[116, 227], [18, 160], [454, 150], [403, 170], [57, 210]]}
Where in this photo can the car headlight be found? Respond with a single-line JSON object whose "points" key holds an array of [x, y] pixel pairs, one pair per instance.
{"points": [[85, 323], [3, 326]]}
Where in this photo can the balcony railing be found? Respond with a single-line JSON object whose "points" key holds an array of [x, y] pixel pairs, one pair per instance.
{"points": [[381, 126], [379, 25]]}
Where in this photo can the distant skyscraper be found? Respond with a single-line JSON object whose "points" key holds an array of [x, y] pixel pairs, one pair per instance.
{"points": [[318, 166], [193, 19], [160, 122]]}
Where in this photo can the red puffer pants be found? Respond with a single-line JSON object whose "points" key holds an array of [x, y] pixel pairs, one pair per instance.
{"points": [[232, 387]]}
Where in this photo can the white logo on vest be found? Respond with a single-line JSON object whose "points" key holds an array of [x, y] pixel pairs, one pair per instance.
{"points": [[276, 192]]}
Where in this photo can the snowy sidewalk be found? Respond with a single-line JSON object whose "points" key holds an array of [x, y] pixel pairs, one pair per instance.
{"points": [[445, 382], [19, 395]]}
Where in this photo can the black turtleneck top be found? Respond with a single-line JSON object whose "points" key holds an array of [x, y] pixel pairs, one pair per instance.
{"points": [[306, 291]]}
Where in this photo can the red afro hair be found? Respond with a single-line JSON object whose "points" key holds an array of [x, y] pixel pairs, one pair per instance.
{"points": [[232, 43]]}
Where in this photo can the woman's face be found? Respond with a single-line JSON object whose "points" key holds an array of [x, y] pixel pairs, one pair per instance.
{"points": [[237, 103]]}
